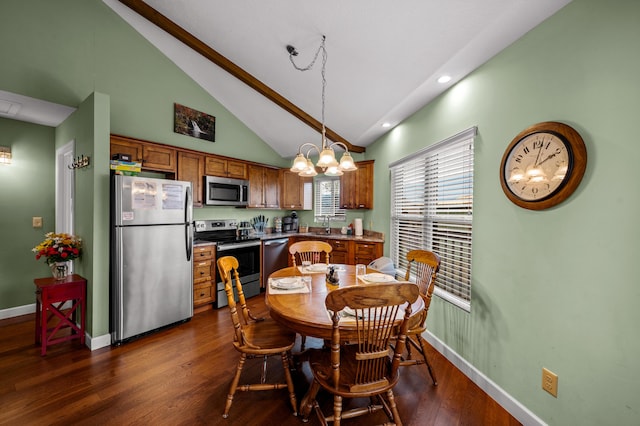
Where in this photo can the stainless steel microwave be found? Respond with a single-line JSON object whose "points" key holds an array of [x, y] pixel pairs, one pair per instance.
{"points": [[219, 191]]}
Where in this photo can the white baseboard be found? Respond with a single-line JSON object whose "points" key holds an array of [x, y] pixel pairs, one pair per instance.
{"points": [[17, 311], [513, 407], [92, 343], [97, 342]]}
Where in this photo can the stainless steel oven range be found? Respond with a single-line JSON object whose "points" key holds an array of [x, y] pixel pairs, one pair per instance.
{"points": [[232, 241]]}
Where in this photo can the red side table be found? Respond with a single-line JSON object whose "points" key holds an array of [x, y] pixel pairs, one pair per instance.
{"points": [[51, 294]]}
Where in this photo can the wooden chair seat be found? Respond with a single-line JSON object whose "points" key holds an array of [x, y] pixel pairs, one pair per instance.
{"points": [[266, 335]]}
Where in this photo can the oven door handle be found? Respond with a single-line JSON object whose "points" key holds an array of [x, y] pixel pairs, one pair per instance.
{"points": [[226, 247]]}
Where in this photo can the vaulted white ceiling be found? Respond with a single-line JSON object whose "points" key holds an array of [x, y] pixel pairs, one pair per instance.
{"points": [[384, 57]]}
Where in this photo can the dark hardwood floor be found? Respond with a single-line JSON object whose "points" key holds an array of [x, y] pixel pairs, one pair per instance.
{"points": [[180, 376]]}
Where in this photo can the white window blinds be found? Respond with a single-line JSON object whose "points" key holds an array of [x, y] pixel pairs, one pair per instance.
{"points": [[432, 209], [327, 199]]}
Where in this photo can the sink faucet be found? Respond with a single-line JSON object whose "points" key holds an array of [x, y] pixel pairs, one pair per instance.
{"points": [[325, 223]]}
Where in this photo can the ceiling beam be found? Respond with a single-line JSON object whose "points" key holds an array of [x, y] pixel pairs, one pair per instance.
{"points": [[202, 48]]}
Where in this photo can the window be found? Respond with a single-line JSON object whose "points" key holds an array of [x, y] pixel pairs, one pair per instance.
{"points": [[432, 209], [327, 199]]}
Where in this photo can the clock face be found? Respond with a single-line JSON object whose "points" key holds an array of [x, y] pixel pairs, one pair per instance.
{"points": [[543, 165], [537, 166]]}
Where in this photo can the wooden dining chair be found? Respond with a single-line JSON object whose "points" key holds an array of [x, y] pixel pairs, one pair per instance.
{"points": [[311, 251], [424, 266], [366, 368], [254, 337]]}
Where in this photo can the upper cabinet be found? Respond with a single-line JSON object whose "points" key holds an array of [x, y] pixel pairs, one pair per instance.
{"points": [[225, 167], [269, 187], [191, 169], [264, 187], [153, 157], [295, 191], [356, 188]]}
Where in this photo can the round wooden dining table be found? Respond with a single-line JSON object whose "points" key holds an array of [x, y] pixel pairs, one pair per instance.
{"points": [[305, 313]]}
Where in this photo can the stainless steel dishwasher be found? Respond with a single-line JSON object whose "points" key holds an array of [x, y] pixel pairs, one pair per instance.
{"points": [[275, 255]]}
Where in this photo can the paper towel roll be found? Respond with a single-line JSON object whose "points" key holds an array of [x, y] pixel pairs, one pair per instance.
{"points": [[358, 227]]}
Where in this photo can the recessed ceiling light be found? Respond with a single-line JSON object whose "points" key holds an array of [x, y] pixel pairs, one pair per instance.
{"points": [[386, 125], [444, 79]]}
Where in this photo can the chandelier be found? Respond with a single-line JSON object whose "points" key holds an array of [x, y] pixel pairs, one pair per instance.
{"points": [[302, 164]]}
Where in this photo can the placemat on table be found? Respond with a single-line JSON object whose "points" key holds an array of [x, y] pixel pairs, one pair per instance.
{"points": [[279, 290]]}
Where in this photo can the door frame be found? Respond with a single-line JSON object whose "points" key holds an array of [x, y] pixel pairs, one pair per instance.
{"points": [[65, 188]]}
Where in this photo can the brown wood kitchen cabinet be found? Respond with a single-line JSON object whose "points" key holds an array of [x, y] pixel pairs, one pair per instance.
{"points": [[264, 187], [356, 188], [191, 169], [225, 167], [292, 190], [153, 157], [340, 251], [349, 251], [366, 252], [204, 272]]}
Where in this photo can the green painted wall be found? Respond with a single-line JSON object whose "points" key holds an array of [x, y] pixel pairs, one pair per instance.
{"points": [[88, 127], [555, 288], [72, 52], [27, 189], [69, 49]]}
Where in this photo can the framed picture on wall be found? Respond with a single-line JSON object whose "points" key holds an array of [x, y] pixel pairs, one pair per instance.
{"points": [[188, 121]]}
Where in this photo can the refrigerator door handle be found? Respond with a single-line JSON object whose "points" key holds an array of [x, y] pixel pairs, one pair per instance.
{"points": [[188, 216], [188, 206], [188, 237]]}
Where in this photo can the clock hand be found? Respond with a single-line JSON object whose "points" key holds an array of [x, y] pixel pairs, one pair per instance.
{"points": [[548, 158], [538, 157]]}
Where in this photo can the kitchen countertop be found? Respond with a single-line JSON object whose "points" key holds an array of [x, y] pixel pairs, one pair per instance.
{"points": [[373, 237], [369, 236]]}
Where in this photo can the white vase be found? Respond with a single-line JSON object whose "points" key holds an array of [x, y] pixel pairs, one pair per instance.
{"points": [[59, 270]]}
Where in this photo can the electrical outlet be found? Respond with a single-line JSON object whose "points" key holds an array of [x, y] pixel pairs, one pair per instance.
{"points": [[36, 221], [550, 382]]}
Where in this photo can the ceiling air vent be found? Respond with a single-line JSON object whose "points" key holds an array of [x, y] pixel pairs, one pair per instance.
{"points": [[9, 108]]}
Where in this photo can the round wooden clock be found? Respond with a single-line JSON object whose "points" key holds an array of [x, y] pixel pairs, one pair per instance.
{"points": [[543, 165]]}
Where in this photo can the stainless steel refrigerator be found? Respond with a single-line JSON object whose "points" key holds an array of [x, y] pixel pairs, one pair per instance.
{"points": [[151, 255]]}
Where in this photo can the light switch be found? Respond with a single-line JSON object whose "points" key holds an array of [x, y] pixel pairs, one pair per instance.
{"points": [[37, 221]]}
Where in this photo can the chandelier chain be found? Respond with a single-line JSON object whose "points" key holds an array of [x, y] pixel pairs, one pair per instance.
{"points": [[322, 49]]}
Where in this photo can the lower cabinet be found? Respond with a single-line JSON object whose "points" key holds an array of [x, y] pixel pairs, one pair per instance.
{"points": [[340, 252], [366, 252], [204, 272], [348, 251]]}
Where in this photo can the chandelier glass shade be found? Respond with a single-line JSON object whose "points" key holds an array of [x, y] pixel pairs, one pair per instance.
{"points": [[302, 164]]}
